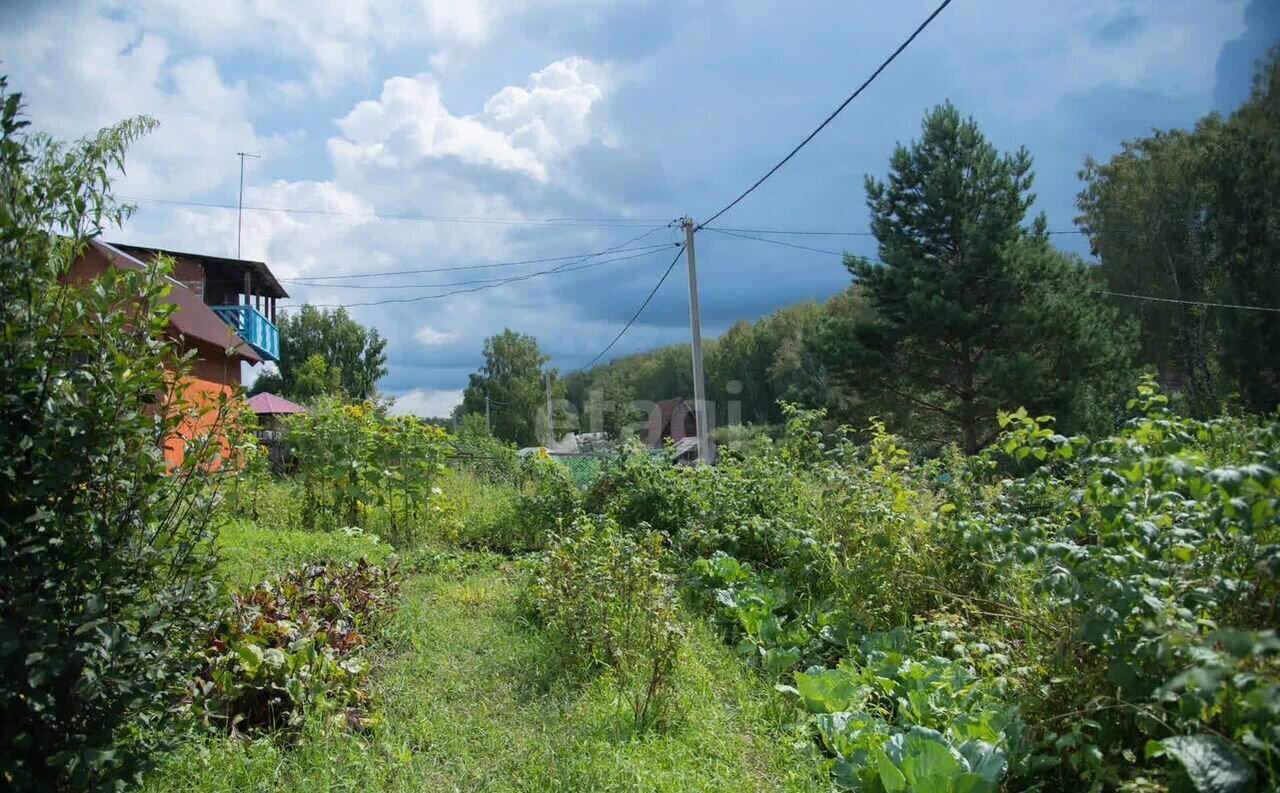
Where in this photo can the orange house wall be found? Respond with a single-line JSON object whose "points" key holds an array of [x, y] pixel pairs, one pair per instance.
{"points": [[213, 371]]}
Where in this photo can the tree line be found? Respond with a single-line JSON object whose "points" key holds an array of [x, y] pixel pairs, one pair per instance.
{"points": [[968, 308]]}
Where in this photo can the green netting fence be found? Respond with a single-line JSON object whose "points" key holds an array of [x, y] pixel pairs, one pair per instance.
{"points": [[586, 467]]}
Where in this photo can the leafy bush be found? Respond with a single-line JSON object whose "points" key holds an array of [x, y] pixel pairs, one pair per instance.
{"points": [[257, 494], [354, 460], [606, 604], [291, 645], [1162, 570], [1097, 611], [484, 455], [104, 547], [486, 515], [548, 503], [754, 509]]}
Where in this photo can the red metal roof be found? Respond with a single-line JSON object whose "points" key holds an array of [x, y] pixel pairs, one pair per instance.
{"points": [[193, 318], [270, 404]]}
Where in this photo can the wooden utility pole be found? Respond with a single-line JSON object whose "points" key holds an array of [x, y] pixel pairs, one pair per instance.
{"points": [[488, 427], [695, 332], [551, 435]]}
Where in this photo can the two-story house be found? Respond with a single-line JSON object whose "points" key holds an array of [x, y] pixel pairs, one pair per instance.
{"points": [[226, 310]]}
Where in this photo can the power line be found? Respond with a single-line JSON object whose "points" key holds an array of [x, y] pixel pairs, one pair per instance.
{"points": [[1201, 303], [493, 285], [583, 222], [1130, 295], [636, 315], [567, 268], [793, 232], [834, 113], [824, 233], [313, 280], [741, 236]]}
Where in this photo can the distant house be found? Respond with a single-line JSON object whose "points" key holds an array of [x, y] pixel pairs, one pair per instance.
{"points": [[670, 418], [272, 411], [225, 313]]}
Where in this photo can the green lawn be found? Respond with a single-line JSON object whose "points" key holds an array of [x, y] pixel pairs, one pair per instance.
{"points": [[470, 700]]}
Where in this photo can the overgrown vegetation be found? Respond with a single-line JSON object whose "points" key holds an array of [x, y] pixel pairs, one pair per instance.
{"points": [[999, 603], [606, 604], [354, 462], [291, 646], [1051, 612]]}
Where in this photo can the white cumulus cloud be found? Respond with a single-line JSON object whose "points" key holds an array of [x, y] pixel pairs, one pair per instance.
{"points": [[521, 128], [431, 337], [427, 402]]}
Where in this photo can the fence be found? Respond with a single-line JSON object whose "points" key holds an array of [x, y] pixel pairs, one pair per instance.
{"points": [[584, 467]]}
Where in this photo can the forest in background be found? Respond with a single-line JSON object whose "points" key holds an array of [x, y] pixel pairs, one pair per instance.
{"points": [[1185, 228]]}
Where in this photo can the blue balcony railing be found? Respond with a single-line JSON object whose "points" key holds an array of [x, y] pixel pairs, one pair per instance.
{"points": [[250, 325]]}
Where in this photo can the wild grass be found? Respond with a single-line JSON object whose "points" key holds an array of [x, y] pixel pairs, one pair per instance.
{"points": [[470, 698], [250, 553]]}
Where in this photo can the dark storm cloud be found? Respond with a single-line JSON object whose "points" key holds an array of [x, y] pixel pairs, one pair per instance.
{"points": [[1238, 59]]}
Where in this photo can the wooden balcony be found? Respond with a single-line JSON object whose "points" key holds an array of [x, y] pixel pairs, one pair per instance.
{"points": [[252, 326]]}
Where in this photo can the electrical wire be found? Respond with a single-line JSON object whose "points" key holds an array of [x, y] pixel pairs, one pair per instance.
{"points": [[321, 280], [567, 268], [1129, 295], [492, 285], [792, 232], [636, 315], [823, 233], [476, 219], [619, 248], [834, 113], [728, 233]]}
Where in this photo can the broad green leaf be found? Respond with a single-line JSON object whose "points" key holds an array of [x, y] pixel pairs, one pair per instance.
{"points": [[845, 775], [827, 690], [777, 660], [1212, 764], [926, 761], [985, 761], [250, 656], [894, 780]]}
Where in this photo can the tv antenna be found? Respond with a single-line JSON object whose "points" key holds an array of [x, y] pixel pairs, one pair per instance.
{"points": [[240, 205]]}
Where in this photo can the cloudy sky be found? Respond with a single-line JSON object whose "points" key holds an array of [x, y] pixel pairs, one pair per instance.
{"points": [[420, 134]]}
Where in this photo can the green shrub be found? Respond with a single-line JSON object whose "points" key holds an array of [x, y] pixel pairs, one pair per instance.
{"points": [[1121, 594], [1161, 569], [358, 466], [488, 458], [104, 548], [549, 502], [487, 514], [603, 599], [256, 494]]}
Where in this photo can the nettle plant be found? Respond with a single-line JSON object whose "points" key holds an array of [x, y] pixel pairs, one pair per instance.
{"points": [[1164, 571], [602, 596], [356, 463]]}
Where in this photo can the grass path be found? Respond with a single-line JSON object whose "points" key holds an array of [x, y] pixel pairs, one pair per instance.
{"points": [[469, 700]]}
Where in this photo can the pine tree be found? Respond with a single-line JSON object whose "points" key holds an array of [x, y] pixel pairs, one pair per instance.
{"points": [[973, 311]]}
